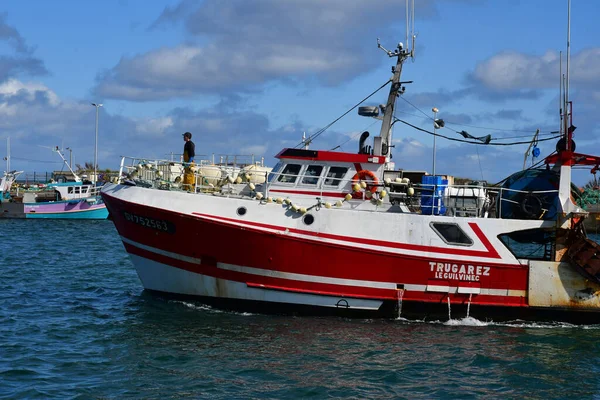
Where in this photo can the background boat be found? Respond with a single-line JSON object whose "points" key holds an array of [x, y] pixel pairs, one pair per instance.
{"points": [[77, 199]]}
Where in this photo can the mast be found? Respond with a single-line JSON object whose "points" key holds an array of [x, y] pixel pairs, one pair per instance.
{"points": [[381, 145], [560, 99], [565, 157], [568, 132]]}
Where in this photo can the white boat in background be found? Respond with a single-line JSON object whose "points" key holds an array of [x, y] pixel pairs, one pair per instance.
{"points": [[342, 233], [7, 182]]}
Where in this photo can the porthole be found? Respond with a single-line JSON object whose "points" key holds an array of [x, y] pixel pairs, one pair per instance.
{"points": [[241, 211], [308, 219]]}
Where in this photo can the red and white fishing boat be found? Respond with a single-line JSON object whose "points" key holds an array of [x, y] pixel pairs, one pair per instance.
{"points": [[342, 233]]}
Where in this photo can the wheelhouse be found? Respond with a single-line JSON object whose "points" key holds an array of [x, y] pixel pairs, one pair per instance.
{"points": [[323, 173], [74, 190]]}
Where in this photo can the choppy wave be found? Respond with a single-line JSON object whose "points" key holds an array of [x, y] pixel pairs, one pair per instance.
{"points": [[75, 323]]}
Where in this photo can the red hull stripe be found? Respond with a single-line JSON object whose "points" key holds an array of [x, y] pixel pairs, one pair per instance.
{"points": [[250, 279], [195, 262], [319, 285], [489, 253]]}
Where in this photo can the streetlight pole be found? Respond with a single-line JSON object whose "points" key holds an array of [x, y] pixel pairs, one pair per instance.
{"points": [[435, 111], [97, 105]]}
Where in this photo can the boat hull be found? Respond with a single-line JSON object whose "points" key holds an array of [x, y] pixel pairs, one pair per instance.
{"points": [[250, 265], [238, 297], [55, 210]]}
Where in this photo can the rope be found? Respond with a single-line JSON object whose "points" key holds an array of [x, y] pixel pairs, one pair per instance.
{"points": [[471, 126], [316, 134], [466, 141], [479, 159], [355, 135]]}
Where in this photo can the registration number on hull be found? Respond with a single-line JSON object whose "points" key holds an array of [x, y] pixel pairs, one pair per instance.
{"points": [[151, 223]]}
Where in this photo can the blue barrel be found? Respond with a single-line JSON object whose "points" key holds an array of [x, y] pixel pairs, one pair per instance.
{"points": [[432, 195]]}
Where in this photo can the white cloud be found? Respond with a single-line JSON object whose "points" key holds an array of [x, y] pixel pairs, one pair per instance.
{"points": [[473, 157], [239, 46], [13, 87], [186, 70], [512, 70], [213, 124], [409, 148], [153, 126]]}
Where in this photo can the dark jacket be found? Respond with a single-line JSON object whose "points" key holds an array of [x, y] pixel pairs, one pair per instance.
{"points": [[189, 151]]}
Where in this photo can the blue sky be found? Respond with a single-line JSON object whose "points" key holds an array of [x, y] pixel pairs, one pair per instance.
{"points": [[249, 77]]}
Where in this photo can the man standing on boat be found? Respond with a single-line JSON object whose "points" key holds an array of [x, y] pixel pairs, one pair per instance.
{"points": [[189, 152]]}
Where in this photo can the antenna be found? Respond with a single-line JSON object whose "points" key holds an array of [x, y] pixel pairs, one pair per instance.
{"points": [[305, 141], [406, 22], [560, 99], [410, 26], [566, 105], [412, 49], [568, 50]]}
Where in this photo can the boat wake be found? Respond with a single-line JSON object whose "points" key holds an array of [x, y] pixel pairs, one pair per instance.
{"points": [[474, 322], [467, 321], [204, 307]]}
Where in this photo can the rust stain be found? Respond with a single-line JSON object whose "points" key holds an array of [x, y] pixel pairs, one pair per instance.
{"points": [[220, 288]]}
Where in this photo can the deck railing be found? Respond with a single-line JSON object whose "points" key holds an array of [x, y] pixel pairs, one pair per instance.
{"points": [[473, 200], [209, 173]]}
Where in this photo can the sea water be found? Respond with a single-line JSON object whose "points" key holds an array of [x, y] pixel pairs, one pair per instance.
{"points": [[76, 323]]}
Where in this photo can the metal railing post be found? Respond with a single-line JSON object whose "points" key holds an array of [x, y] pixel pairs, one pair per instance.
{"points": [[120, 179]]}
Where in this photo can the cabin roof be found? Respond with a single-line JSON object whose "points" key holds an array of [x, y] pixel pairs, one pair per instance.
{"points": [[336, 156]]}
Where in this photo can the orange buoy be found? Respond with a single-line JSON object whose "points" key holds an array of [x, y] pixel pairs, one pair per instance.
{"points": [[363, 175]]}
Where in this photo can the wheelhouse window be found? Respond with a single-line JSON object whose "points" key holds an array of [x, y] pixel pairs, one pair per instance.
{"points": [[335, 175], [70, 190], [76, 189], [451, 233], [530, 244], [312, 174], [275, 171], [289, 173]]}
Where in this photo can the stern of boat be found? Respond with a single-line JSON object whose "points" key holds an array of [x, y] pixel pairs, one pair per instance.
{"points": [[574, 281], [561, 285]]}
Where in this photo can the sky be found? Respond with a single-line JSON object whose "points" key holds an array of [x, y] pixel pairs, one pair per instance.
{"points": [[251, 76]]}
